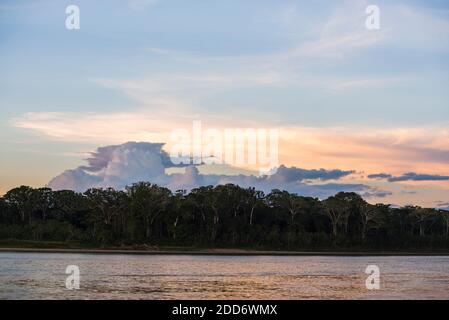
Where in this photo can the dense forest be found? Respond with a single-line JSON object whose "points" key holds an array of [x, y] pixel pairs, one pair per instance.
{"points": [[145, 214]]}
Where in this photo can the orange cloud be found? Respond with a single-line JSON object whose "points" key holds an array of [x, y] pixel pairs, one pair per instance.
{"points": [[366, 149]]}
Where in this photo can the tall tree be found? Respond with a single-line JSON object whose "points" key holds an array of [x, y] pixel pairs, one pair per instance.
{"points": [[44, 201], [371, 216], [291, 203], [253, 199], [444, 214], [423, 218], [24, 200], [147, 202], [338, 209]]}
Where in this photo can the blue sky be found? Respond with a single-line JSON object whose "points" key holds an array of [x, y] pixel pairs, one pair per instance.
{"points": [[56, 67], [295, 65]]}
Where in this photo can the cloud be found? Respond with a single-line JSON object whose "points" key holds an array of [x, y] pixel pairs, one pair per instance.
{"points": [[377, 193], [392, 150], [443, 206], [341, 36], [284, 174], [121, 165], [379, 176], [387, 150], [412, 176], [419, 28], [141, 124], [409, 176], [333, 41], [102, 157], [77, 180], [117, 166]]}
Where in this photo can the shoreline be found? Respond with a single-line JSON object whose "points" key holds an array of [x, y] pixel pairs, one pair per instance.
{"points": [[222, 252]]}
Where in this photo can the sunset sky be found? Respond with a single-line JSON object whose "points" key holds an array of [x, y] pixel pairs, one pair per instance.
{"points": [[342, 97]]}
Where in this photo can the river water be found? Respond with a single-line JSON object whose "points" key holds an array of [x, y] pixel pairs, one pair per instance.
{"points": [[110, 276]]}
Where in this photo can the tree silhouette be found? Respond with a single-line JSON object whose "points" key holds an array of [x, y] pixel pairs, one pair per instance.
{"points": [[225, 215]]}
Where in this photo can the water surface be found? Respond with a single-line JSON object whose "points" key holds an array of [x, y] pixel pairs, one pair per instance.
{"points": [[110, 276]]}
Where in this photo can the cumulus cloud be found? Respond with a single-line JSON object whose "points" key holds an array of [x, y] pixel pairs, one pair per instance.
{"points": [[76, 179], [120, 165], [117, 166], [103, 155], [409, 176]]}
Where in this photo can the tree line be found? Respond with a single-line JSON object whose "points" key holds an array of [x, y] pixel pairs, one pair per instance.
{"points": [[223, 216]]}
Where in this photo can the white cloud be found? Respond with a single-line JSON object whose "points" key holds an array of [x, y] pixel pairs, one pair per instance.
{"points": [[141, 124], [342, 36], [122, 165]]}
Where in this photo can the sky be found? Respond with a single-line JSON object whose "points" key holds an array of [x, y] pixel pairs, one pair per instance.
{"points": [[370, 102]]}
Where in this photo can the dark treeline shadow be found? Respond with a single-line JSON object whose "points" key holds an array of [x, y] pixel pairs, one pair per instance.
{"points": [[146, 215]]}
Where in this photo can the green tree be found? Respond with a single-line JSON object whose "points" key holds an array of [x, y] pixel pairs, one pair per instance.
{"points": [[147, 202], [338, 209], [371, 217], [23, 199]]}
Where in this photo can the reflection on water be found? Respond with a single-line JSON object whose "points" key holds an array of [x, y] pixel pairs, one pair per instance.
{"points": [[42, 276]]}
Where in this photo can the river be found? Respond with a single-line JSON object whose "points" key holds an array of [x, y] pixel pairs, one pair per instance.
{"points": [[115, 276]]}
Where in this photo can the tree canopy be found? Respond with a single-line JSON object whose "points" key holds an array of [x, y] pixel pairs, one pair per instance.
{"points": [[221, 216]]}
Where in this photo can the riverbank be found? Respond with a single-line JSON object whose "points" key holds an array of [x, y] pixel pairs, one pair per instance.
{"points": [[213, 251]]}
